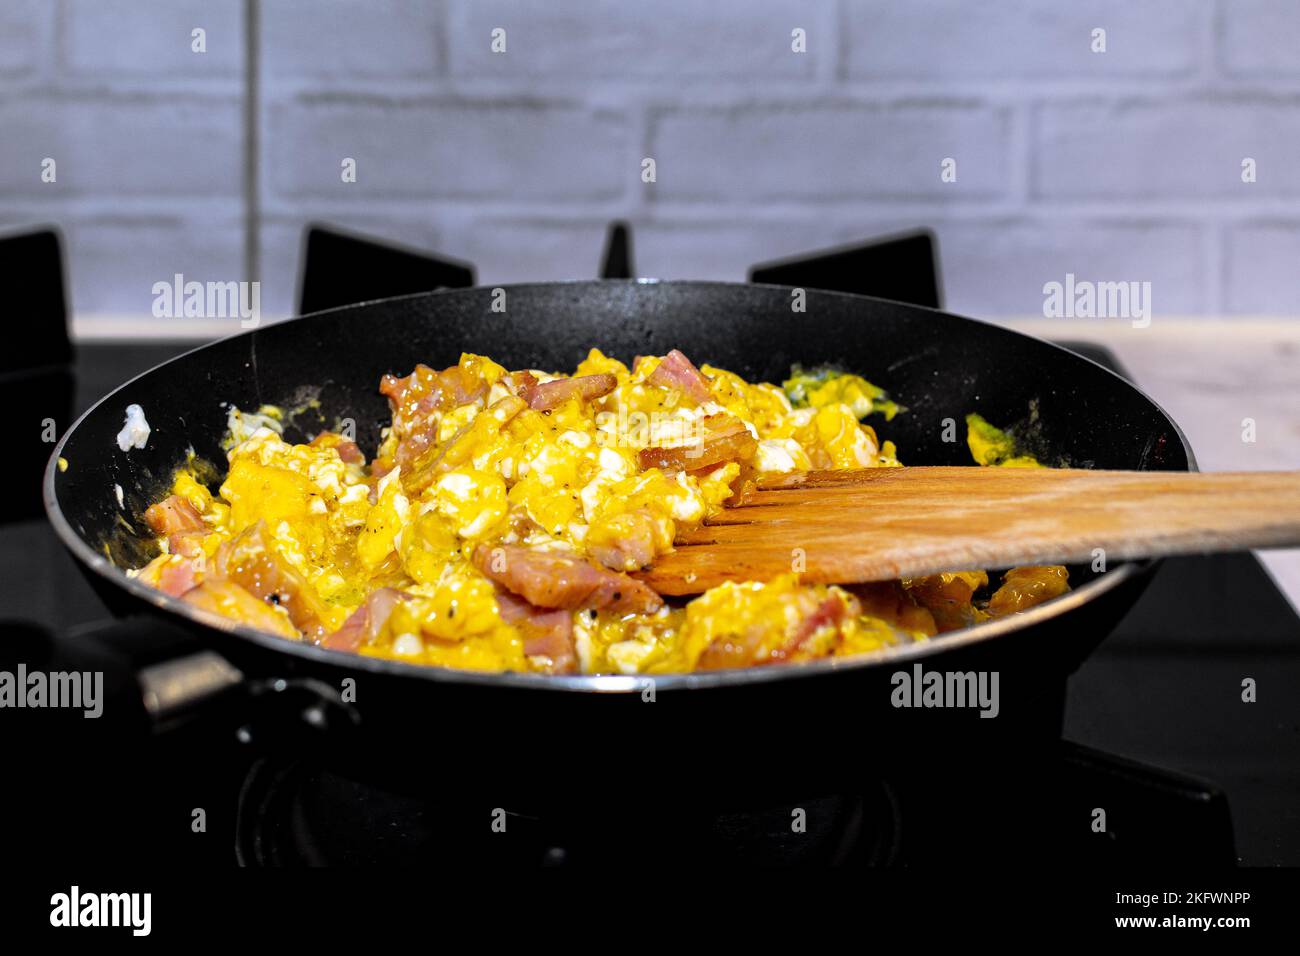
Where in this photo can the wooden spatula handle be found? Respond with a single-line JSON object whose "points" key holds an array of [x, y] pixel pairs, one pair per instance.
{"points": [[880, 524]]}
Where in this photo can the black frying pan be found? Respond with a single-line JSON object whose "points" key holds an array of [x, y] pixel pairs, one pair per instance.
{"points": [[938, 365]]}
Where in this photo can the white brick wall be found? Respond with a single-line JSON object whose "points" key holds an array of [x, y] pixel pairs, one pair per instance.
{"points": [[1009, 261], [1167, 148], [818, 153], [1035, 40], [119, 39], [121, 146], [25, 32], [1260, 38], [145, 134], [670, 40], [1119, 165], [1258, 252], [424, 149], [117, 259], [341, 39]]}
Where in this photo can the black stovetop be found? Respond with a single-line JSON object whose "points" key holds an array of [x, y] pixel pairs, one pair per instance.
{"points": [[1164, 691]]}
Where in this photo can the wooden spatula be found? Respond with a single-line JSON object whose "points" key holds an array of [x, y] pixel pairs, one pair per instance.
{"points": [[878, 524]]}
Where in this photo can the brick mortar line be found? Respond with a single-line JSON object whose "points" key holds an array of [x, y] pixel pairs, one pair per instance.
{"points": [[1226, 211], [778, 95], [1120, 209]]}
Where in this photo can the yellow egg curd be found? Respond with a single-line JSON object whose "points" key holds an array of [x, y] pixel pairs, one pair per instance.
{"points": [[501, 521]]}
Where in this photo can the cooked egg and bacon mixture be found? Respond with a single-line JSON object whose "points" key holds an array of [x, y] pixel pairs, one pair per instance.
{"points": [[497, 524]]}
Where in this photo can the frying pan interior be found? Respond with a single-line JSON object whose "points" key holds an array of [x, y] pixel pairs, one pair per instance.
{"points": [[327, 367]]}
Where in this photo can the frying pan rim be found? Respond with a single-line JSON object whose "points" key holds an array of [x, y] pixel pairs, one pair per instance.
{"points": [[587, 683]]}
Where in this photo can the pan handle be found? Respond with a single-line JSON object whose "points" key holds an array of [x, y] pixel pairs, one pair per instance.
{"points": [[151, 678], [93, 672], [170, 689]]}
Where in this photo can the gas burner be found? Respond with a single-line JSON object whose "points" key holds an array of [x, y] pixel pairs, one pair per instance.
{"points": [[1029, 807], [274, 805], [293, 813], [36, 383], [31, 269], [904, 268], [340, 268]]}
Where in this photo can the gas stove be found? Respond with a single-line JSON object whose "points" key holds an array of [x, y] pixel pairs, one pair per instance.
{"points": [[1152, 727]]}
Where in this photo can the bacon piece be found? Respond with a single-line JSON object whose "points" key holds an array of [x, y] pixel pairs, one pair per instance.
{"points": [[832, 610], [253, 563], [177, 577], [725, 438], [170, 574], [732, 650], [547, 395], [230, 600], [365, 623], [460, 387], [461, 446], [395, 389], [675, 370], [425, 390], [188, 544], [173, 514], [746, 649], [625, 542], [555, 579], [546, 633], [948, 601], [419, 399], [518, 381], [416, 442], [890, 601], [348, 450]]}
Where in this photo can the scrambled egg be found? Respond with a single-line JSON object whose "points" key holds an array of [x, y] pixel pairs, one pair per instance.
{"points": [[498, 521]]}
